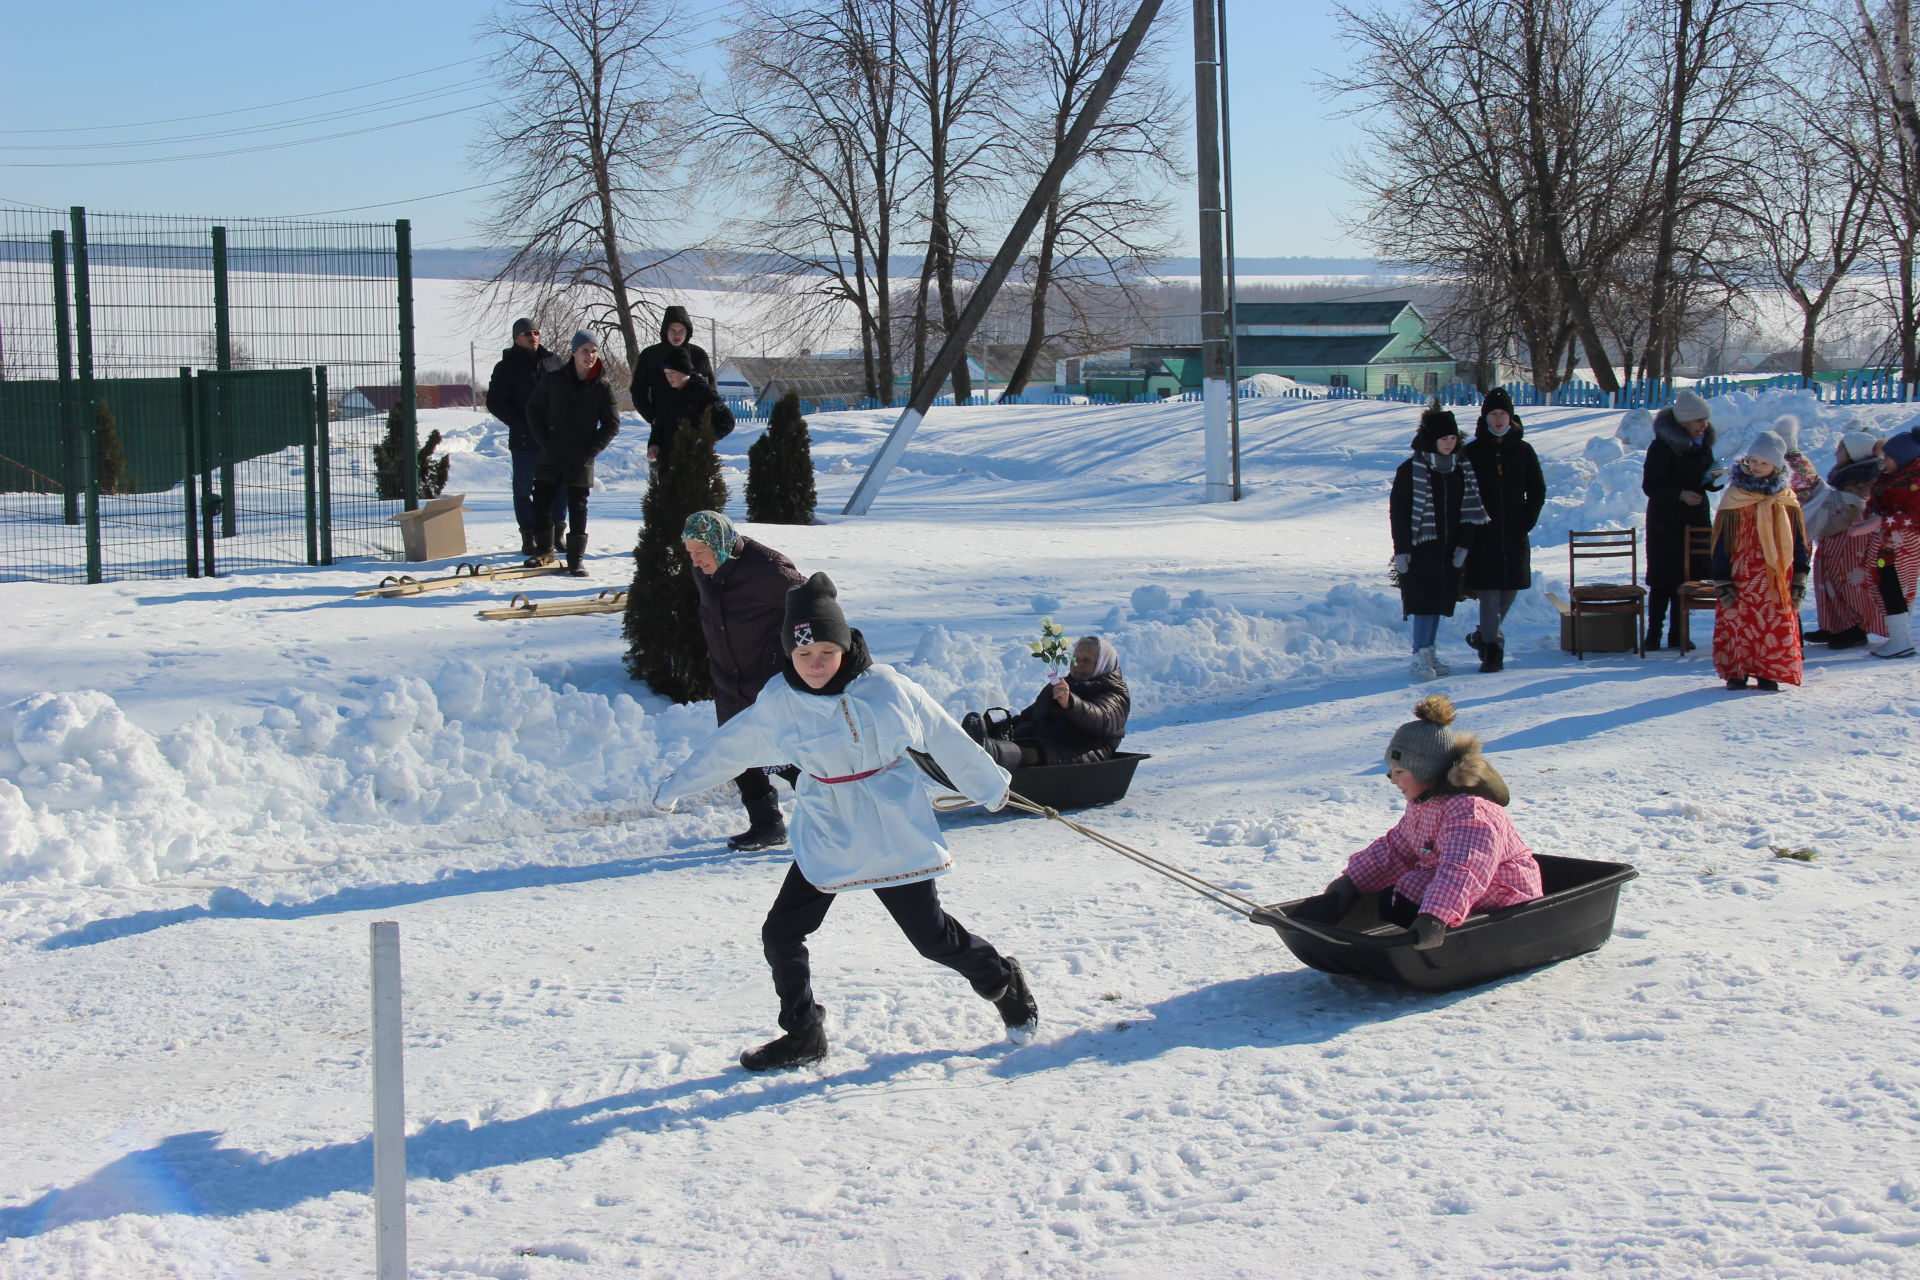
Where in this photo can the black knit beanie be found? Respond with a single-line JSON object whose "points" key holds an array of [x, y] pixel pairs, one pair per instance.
{"points": [[814, 617], [678, 359], [1497, 398], [1434, 423]]}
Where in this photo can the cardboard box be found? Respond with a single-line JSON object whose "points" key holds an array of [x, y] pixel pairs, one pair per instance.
{"points": [[1599, 633], [436, 531]]}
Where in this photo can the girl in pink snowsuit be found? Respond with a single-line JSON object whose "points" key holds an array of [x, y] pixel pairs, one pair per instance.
{"points": [[1454, 850]]}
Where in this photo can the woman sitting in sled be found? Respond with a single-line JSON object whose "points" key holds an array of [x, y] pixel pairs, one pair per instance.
{"points": [[1074, 719], [1454, 850]]}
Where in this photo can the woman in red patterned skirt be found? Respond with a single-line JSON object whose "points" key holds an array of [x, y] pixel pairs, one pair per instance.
{"points": [[1759, 570], [1896, 500]]}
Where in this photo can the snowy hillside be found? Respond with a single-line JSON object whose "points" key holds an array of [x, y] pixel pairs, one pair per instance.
{"points": [[208, 789]]}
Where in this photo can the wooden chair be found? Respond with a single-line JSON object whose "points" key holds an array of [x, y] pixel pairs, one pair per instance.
{"points": [[1697, 591], [1604, 598]]}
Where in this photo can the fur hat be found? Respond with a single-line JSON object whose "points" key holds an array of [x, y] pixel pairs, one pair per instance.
{"points": [[581, 338], [1848, 474], [1689, 407], [1434, 424], [814, 617], [714, 529], [1856, 446], [1902, 448], [1424, 745], [1771, 447], [677, 359]]}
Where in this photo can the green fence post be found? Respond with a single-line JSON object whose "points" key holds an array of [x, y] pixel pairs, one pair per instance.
{"points": [[325, 478], [409, 410], [309, 482], [187, 485], [83, 332], [63, 346], [223, 361]]}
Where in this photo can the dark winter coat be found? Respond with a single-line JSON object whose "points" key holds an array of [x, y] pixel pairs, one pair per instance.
{"points": [[511, 386], [649, 378], [1088, 728], [572, 421], [676, 409], [1512, 490], [1431, 585], [1675, 465], [741, 607]]}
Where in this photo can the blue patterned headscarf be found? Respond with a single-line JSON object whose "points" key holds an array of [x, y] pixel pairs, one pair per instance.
{"points": [[714, 529]]}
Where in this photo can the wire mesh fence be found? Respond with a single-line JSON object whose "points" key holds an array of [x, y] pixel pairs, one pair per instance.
{"points": [[184, 395]]}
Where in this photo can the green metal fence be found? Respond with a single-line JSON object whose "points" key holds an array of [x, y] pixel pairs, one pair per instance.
{"points": [[172, 392]]}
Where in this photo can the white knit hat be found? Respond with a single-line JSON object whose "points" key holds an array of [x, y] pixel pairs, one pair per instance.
{"points": [[1856, 446], [1771, 447]]}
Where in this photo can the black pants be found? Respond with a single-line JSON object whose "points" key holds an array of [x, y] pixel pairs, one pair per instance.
{"points": [[801, 908], [757, 795], [1661, 602], [546, 490], [1891, 596], [1012, 755]]}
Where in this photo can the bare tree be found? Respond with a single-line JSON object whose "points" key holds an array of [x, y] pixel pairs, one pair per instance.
{"points": [[1888, 38], [1109, 220], [810, 123], [586, 141]]}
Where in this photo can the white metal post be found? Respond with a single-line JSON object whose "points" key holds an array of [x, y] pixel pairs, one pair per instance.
{"points": [[389, 1108]]}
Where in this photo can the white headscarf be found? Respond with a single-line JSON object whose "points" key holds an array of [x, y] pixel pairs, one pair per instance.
{"points": [[1109, 656]]}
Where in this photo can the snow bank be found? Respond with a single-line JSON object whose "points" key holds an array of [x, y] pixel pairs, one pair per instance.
{"points": [[1273, 384], [89, 797]]}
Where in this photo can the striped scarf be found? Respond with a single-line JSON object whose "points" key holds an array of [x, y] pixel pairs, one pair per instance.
{"points": [[1472, 511]]}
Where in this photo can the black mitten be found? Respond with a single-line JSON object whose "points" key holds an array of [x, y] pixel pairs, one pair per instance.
{"points": [[1340, 896], [1428, 932]]}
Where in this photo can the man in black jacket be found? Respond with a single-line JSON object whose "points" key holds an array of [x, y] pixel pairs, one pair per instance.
{"points": [[520, 368], [685, 400], [743, 598], [572, 416], [676, 334]]}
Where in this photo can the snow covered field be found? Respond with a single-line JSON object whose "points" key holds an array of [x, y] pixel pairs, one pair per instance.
{"points": [[208, 789]]}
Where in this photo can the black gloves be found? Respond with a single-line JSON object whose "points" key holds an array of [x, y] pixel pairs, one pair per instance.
{"points": [[1340, 895], [1428, 932]]}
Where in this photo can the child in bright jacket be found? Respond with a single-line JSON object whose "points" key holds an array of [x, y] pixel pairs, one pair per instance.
{"points": [[1454, 851], [861, 819]]}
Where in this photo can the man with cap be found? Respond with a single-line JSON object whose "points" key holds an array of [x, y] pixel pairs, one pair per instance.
{"points": [[676, 334], [571, 415], [1677, 476], [743, 588], [1454, 850], [515, 375], [684, 401], [861, 817]]}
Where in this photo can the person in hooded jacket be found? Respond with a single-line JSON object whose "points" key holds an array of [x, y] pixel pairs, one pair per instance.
{"points": [[1677, 476], [1435, 514], [1846, 596], [1074, 719], [743, 587], [861, 818], [1512, 489], [571, 415], [1453, 852], [676, 334], [519, 370], [688, 397]]}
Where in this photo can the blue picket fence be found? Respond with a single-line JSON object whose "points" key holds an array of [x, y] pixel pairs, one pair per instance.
{"points": [[1865, 386]]}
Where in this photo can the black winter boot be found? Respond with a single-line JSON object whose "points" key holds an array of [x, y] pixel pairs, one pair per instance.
{"points": [[1016, 1005], [576, 549], [1493, 657], [794, 1049], [1851, 638], [542, 552], [526, 542], [1473, 642]]}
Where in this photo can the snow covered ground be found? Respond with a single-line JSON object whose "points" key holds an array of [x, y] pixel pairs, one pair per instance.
{"points": [[208, 789]]}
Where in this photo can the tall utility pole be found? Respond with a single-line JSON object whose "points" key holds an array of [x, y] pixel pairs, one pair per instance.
{"points": [[1216, 395]]}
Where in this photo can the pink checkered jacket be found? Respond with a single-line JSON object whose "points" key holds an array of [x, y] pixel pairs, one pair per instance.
{"points": [[1454, 854]]}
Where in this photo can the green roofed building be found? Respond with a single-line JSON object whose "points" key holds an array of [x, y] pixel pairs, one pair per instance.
{"points": [[1370, 346]]}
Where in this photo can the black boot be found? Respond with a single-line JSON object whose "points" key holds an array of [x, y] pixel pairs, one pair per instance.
{"points": [[542, 552], [1493, 657], [1851, 638], [576, 549], [1016, 1005], [1473, 643], [794, 1049], [975, 726], [526, 542]]}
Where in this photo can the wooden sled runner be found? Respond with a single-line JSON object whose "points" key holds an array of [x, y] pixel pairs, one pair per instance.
{"points": [[610, 600], [1575, 916], [466, 571]]}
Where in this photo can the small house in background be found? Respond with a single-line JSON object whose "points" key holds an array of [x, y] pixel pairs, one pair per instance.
{"points": [[364, 402], [815, 378], [1370, 346]]}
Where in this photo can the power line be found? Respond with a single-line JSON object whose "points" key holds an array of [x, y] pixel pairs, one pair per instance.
{"points": [[237, 151]]}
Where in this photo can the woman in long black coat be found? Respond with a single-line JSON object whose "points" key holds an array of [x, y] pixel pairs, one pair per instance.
{"points": [[1677, 477], [572, 418], [1512, 490], [1435, 513]]}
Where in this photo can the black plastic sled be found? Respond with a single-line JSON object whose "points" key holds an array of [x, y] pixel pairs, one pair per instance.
{"points": [[1062, 786], [1575, 916]]}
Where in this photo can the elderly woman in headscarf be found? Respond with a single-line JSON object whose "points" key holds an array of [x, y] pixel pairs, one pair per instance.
{"points": [[1075, 719]]}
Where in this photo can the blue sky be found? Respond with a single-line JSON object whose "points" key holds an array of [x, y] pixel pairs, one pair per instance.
{"points": [[156, 67]]}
